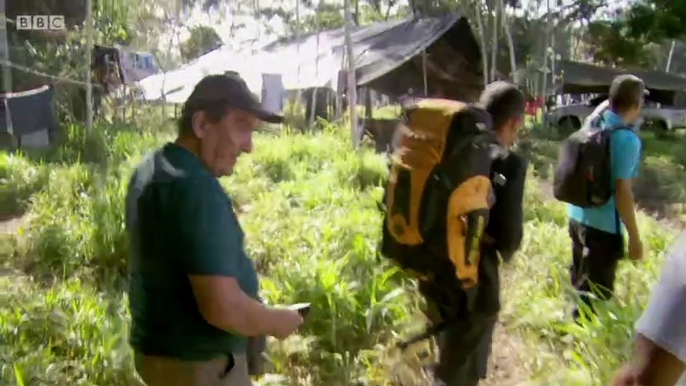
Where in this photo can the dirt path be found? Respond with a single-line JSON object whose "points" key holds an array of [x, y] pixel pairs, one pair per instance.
{"points": [[506, 366], [10, 225]]}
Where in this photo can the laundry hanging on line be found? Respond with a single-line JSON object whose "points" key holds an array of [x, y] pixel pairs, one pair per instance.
{"points": [[273, 92], [28, 112], [136, 66]]}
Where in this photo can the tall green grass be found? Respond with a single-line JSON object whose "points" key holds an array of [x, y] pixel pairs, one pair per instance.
{"points": [[308, 205]]}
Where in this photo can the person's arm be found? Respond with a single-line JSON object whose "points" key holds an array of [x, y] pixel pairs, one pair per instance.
{"points": [[506, 226], [655, 366], [224, 305], [211, 258], [624, 197], [625, 160], [660, 350]]}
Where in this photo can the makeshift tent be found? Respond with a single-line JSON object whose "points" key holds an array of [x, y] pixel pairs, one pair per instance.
{"points": [[581, 78], [389, 58]]}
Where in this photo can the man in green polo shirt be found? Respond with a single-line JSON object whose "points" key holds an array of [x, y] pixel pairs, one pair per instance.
{"points": [[193, 290]]}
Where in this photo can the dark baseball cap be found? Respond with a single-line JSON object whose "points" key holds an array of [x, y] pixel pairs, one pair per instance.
{"points": [[229, 88]]}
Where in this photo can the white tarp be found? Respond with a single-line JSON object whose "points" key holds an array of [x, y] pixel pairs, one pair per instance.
{"points": [[311, 61], [300, 68]]}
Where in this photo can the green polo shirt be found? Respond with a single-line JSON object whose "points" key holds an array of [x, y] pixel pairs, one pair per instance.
{"points": [[180, 222]]}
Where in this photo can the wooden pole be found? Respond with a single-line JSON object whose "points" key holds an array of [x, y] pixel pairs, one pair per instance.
{"points": [[426, 84], [298, 93], [5, 51], [5, 57], [89, 60], [546, 71], [352, 84]]}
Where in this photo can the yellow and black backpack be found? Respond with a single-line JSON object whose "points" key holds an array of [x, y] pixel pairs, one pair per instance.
{"points": [[438, 196]]}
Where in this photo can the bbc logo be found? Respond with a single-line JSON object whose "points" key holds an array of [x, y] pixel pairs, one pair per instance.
{"points": [[40, 22]]}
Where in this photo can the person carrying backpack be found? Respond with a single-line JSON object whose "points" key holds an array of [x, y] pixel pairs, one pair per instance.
{"points": [[453, 203], [594, 174]]}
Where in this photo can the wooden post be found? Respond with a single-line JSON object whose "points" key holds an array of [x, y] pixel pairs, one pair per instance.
{"points": [[5, 51], [89, 60], [6, 70], [298, 93], [546, 70], [352, 84], [310, 119], [426, 84]]}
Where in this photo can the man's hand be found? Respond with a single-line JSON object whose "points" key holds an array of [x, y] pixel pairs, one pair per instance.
{"points": [[635, 248], [627, 376], [284, 322]]}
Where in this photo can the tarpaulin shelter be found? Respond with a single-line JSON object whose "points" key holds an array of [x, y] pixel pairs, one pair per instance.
{"points": [[581, 78], [436, 55]]}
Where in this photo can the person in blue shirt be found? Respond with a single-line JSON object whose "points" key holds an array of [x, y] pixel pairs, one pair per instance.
{"points": [[597, 233]]}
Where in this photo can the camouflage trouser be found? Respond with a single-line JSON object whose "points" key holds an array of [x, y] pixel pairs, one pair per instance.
{"points": [[161, 371]]}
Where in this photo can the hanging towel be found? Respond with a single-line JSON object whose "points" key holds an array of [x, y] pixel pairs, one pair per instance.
{"points": [[28, 112], [136, 66], [273, 92]]}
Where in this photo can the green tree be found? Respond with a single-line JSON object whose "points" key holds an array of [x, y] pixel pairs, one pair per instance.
{"points": [[639, 35], [657, 19], [202, 40], [609, 43]]}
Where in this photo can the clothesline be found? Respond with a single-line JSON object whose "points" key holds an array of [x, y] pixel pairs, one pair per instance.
{"points": [[55, 77], [26, 93]]}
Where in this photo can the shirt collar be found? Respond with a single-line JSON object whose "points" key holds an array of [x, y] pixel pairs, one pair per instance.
{"points": [[610, 118]]}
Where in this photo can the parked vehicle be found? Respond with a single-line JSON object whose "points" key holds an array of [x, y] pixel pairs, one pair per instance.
{"points": [[568, 118]]}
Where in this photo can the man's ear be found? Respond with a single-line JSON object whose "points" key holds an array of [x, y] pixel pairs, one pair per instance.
{"points": [[198, 124]]}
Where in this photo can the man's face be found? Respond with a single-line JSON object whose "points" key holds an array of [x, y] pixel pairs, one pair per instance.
{"points": [[508, 133], [221, 143]]}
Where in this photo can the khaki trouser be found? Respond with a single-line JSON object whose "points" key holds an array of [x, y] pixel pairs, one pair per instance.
{"points": [[162, 371]]}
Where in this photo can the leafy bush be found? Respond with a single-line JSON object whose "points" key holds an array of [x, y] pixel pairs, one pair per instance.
{"points": [[308, 206]]}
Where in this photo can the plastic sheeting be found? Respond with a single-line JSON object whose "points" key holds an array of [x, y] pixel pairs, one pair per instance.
{"points": [[310, 61]]}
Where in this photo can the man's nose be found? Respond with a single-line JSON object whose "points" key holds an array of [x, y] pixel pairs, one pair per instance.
{"points": [[247, 145]]}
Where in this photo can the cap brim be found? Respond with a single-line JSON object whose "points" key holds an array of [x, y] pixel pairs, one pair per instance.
{"points": [[268, 117]]}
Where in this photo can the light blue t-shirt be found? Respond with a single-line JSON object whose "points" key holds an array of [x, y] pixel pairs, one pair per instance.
{"points": [[625, 155]]}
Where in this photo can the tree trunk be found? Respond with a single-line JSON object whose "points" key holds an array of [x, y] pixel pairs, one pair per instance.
{"points": [[510, 40], [494, 42], [352, 84], [89, 63], [388, 10], [356, 15], [482, 37], [5, 53], [544, 88]]}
